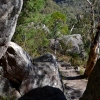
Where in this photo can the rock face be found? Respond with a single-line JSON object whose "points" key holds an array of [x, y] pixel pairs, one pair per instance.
{"points": [[26, 74], [17, 64], [72, 43], [55, 45], [6, 90], [45, 72], [20, 74], [9, 12], [92, 91]]}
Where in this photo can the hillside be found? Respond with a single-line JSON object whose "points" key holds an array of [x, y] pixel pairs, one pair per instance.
{"points": [[34, 15], [54, 52], [37, 24]]}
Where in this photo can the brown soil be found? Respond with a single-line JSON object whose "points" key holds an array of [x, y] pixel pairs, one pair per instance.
{"points": [[73, 82]]}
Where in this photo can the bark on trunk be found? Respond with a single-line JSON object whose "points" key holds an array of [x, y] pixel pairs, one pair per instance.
{"points": [[9, 12], [92, 91], [91, 4], [93, 55]]}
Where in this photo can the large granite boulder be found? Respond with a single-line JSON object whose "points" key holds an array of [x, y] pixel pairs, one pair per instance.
{"points": [[66, 44], [45, 72], [72, 43], [17, 64], [25, 74], [6, 91], [9, 12]]}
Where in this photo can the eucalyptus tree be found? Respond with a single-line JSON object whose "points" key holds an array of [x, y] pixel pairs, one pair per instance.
{"points": [[57, 25], [94, 49]]}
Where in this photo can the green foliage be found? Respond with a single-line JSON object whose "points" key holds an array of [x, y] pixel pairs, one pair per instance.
{"points": [[50, 7], [30, 11], [58, 17], [32, 40], [35, 5], [76, 60], [7, 98], [57, 24], [30, 34], [46, 19], [64, 29]]}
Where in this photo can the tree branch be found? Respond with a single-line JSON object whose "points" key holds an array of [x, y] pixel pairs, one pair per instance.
{"points": [[89, 2], [94, 2]]}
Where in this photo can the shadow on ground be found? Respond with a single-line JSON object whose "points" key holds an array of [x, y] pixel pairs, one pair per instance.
{"points": [[45, 93], [74, 77], [74, 94]]}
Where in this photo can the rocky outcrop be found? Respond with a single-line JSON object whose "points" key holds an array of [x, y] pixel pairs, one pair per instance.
{"points": [[25, 74], [72, 43], [66, 44], [92, 91], [45, 72], [20, 74], [17, 64], [6, 91], [9, 12], [55, 45]]}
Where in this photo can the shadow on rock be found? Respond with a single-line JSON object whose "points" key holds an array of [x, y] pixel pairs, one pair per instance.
{"points": [[44, 93], [73, 93]]}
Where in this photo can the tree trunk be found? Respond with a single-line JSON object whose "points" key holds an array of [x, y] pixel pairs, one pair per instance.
{"points": [[91, 4], [93, 55], [92, 91], [9, 12]]}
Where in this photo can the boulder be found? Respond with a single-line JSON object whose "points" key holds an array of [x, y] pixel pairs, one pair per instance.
{"points": [[9, 12], [45, 73], [72, 43], [55, 45], [1, 70], [17, 64], [6, 91], [25, 74]]}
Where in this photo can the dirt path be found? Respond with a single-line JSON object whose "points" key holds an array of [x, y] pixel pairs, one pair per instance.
{"points": [[74, 84]]}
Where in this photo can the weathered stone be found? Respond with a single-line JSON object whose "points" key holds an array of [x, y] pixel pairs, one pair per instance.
{"points": [[55, 45], [92, 91], [72, 43], [9, 12], [17, 64], [45, 72], [6, 91], [26, 74], [1, 70]]}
